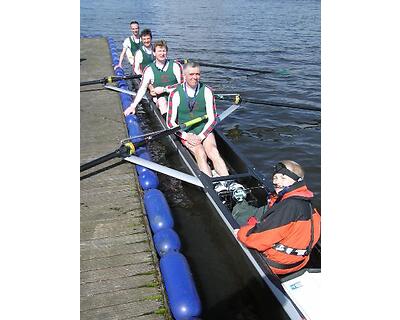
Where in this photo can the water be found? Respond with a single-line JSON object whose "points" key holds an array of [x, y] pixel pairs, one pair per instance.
{"points": [[263, 34], [280, 35]]}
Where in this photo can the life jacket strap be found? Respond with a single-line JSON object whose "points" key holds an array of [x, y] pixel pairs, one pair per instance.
{"points": [[288, 250], [282, 266]]}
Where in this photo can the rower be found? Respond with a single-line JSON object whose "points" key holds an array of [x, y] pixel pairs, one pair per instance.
{"points": [[288, 227], [144, 55], [189, 100], [130, 45], [160, 76]]}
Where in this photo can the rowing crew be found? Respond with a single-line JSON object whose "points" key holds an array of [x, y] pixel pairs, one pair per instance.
{"points": [[180, 96], [285, 230]]}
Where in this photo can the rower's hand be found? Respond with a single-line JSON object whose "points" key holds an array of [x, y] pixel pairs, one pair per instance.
{"points": [[193, 139], [159, 90], [151, 90], [129, 110]]}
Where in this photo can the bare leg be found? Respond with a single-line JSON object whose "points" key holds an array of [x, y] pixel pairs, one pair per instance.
{"points": [[210, 147], [162, 105], [200, 156]]}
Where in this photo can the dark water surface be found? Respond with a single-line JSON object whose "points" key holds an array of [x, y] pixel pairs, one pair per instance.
{"points": [[280, 35]]}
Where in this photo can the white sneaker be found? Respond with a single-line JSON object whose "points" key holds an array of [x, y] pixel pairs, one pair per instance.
{"points": [[234, 186], [220, 187], [238, 192]]}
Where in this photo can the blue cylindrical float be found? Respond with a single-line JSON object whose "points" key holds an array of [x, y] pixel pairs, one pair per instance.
{"points": [[148, 180], [157, 210], [144, 154], [183, 298], [134, 130], [126, 101], [165, 241], [182, 295], [119, 72]]}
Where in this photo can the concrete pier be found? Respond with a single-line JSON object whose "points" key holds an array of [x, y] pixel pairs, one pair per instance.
{"points": [[119, 274]]}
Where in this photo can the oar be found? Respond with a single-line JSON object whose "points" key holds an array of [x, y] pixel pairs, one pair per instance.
{"points": [[236, 96], [110, 79], [165, 170], [206, 64], [268, 103], [120, 90], [127, 149]]}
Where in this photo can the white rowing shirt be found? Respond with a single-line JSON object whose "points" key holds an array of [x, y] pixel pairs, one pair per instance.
{"points": [[139, 59], [176, 100], [127, 45], [148, 77]]}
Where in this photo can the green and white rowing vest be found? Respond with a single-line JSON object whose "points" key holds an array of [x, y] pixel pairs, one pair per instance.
{"points": [[134, 46], [199, 108], [164, 78], [147, 58]]}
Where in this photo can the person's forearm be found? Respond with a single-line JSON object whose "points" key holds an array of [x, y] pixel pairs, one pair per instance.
{"points": [[121, 57], [137, 61], [139, 95], [211, 115], [173, 103]]}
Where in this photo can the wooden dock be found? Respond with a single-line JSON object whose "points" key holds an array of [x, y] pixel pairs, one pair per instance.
{"points": [[119, 274]]}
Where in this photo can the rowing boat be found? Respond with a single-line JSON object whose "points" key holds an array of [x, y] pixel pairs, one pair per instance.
{"points": [[295, 292]]}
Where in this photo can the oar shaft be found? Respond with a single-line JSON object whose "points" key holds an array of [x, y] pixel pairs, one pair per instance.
{"points": [[110, 79], [206, 64], [87, 83], [278, 104], [269, 103], [100, 160]]}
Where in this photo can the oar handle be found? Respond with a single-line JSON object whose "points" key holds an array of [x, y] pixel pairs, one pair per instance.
{"points": [[192, 122]]}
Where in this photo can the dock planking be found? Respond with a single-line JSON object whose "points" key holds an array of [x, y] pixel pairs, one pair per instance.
{"points": [[119, 276]]}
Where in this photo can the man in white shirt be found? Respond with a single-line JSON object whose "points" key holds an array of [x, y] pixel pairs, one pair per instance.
{"points": [[130, 45], [161, 77], [192, 99]]}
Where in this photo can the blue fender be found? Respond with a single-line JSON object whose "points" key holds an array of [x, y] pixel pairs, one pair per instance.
{"points": [[134, 130], [126, 100], [148, 180], [165, 241], [182, 294], [144, 154], [158, 211], [119, 72]]}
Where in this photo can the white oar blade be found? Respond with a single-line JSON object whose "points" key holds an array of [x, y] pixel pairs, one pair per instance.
{"points": [[120, 90], [227, 112], [165, 170]]}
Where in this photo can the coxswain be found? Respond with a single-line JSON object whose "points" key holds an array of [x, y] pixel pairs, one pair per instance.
{"points": [[288, 227]]}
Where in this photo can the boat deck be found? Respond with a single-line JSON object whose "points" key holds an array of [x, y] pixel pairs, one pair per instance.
{"points": [[119, 274]]}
